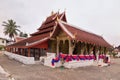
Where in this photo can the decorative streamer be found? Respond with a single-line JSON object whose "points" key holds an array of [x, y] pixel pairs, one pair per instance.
{"points": [[68, 58]]}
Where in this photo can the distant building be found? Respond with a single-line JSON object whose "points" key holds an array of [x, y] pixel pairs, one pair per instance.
{"points": [[3, 42]]}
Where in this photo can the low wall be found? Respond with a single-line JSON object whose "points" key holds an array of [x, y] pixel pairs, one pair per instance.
{"points": [[71, 64], [20, 58], [76, 64], [48, 59]]}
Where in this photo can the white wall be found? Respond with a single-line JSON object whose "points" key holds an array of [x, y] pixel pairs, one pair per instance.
{"points": [[20, 58], [48, 59], [80, 63], [70, 64]]}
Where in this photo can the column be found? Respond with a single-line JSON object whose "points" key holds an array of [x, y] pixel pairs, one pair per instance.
{"points": [[28, 52], [23, 51], [18, 51], [12, 50], [58, 41], [97, 53], [70, 48], [39, 52], [15, 50]]}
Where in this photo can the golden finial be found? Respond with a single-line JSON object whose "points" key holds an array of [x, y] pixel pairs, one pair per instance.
{"points": [[50, 34], [58, 10], [57, 19]]}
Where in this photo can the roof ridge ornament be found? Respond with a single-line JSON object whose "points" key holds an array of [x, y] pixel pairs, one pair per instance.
{"points": [[51, 33], [58, 11]]}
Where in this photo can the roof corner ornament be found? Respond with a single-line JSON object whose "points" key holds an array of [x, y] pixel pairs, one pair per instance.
{"points": [[74, 35], [58, 11], [50, 34]]}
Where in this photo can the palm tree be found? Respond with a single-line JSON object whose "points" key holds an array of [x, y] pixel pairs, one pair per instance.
{"points": [[10, 28], [23, 34]]}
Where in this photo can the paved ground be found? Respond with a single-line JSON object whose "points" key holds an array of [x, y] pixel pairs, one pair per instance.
{"points": [[39, 72]]}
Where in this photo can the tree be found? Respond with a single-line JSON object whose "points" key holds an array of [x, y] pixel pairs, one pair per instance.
{"points": [[10, 28], [23, 34]]}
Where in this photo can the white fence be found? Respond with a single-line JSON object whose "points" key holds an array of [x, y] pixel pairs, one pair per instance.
{"points": [[47, 61], [20, 58]]}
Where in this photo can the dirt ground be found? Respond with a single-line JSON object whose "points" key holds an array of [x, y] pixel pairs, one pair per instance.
{"points": [[39, 72]]}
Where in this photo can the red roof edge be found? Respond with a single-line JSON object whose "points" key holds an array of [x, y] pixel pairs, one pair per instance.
{"points": [[38, 42]]}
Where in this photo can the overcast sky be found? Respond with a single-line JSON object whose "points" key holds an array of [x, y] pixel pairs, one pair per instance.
{"points": [[101, 17]]}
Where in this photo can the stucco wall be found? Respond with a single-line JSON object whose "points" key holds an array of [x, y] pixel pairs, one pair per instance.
{"points": [[76, 64], [48, 59], [20, 58], [71, 64]]}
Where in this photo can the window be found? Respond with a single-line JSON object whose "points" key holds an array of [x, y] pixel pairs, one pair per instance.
{"points": [[2, 41]]}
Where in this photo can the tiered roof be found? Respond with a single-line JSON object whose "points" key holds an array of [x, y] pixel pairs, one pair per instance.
{"points": [[50, 23], [49, 28]]}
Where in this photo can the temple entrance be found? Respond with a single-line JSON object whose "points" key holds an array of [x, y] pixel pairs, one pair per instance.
{"points": [[64, 46]]}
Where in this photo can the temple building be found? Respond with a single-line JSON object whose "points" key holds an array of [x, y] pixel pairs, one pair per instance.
{"points": [[56, 36]]}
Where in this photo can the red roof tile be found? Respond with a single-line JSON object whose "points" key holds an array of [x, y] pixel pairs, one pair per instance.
{"points": [[51, 18], [31, 40], [17, 39], [50, 29], [87, 37], [48, 25]]}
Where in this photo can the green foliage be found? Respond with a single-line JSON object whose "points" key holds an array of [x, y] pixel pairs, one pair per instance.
{"points": [[114, 54], [23, 34], [10, 28], [1, 48], [110, 53]]}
